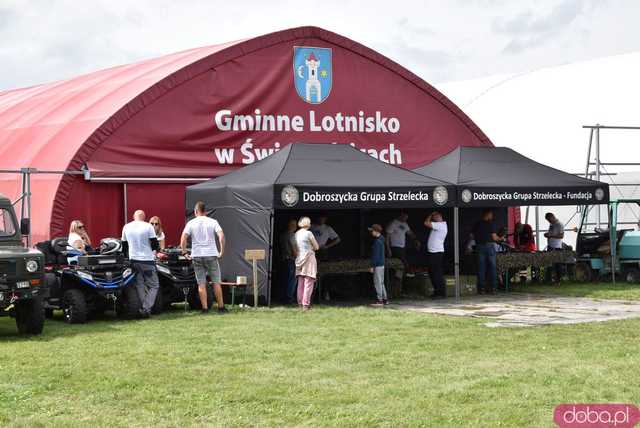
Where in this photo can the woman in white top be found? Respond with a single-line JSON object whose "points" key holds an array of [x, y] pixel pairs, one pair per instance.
{"points": [[157, 226], [306, 266], [78, 237]]}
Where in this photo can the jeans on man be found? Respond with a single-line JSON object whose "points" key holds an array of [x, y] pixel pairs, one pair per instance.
{"points": [[487, 265], [557, 267], [291, 283], [436, 273], [146, 283], [378, 282]]}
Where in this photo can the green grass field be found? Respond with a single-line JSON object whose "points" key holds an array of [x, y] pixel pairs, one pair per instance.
{"points": [[356, 366]]}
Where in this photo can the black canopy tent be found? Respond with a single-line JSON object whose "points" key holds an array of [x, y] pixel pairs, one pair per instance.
{"points": [[305, 177], [501, 177]]}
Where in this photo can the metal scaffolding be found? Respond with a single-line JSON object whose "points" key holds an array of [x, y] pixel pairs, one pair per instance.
{"points": [[25, 190]]}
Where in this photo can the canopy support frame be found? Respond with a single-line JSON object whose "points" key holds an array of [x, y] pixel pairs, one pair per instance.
{"points": [[456, 250]]}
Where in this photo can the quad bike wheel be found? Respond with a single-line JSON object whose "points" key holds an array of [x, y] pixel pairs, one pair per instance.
{"points": [[194, 298], [632, 275], [129, 304], [30, 316], [583, 273], [158, 305], [74, 306]]}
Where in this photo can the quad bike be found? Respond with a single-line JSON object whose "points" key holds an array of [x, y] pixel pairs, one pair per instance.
{"points": [[177, 281], [84, 286]]}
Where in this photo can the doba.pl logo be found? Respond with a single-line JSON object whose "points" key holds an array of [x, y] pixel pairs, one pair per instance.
{"points": [[596, 415]]}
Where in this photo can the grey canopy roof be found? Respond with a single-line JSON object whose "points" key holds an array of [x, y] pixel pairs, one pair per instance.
{"points": [[325, 168], [500, 176]]}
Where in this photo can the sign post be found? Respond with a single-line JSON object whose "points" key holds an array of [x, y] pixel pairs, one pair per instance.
{"points": [[253, 256]]}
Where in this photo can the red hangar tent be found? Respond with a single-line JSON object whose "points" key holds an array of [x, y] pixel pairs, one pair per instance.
{"points": [[305, 177], [136, 135], [501, 177]]}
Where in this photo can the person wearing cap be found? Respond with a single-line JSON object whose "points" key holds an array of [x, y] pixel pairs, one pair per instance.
{"points": [[435, 250], [377, 263]]}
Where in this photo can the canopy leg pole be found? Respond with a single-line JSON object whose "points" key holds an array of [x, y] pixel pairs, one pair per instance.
{"points": [[272, 216], [598, 219], [613, 244], [29, 206], [456, 251], [538, 228]]}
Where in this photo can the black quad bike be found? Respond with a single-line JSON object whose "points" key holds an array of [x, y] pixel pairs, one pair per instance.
{"points": [[177, 282], [85, 286], [22, 284]]}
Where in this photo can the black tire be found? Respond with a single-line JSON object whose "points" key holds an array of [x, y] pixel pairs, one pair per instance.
{"points": [[30, 316], [194, 298], [74, 306], [158, 305], [584, 273], [100, 306], [167, 300], [632, 275], [130, 304]]}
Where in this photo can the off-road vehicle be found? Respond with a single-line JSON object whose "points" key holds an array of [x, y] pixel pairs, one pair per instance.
{"points": [[22, 284], [177, 281], [86, 285]]}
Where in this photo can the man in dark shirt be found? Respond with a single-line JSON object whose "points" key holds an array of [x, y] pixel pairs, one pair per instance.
{"points": [[484, 233], [289, 253], [377, 263]]}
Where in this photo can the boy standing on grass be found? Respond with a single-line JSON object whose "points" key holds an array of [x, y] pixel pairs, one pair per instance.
{"points": [[377, 263]]}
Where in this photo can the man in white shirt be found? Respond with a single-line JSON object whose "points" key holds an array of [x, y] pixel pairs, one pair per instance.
{"points": [[397, 231], [139, 241], [435, 249], [554, 236], [325, 235], [205, 254]]}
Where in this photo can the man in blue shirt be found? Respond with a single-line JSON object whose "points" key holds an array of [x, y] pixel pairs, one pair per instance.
{"points": [[377, 263]]}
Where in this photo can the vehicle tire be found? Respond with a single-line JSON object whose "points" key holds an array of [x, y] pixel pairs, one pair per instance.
{"points": [[167, 300], [158, 305], [100, 306], [74, 306], [130, 304], [30, 316], [584, 273], [632, 275], [194, 298]]}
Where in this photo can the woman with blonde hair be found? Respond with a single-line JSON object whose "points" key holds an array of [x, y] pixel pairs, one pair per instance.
{"points": [[79, 237], [306, 266], [157, 226]]}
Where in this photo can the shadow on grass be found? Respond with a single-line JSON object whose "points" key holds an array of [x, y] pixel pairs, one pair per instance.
{"points": [[599, 290], [53, 329], [56, 327]]}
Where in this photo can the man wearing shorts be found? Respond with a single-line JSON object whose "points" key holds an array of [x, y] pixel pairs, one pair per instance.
{"points": [[205, 254]]}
